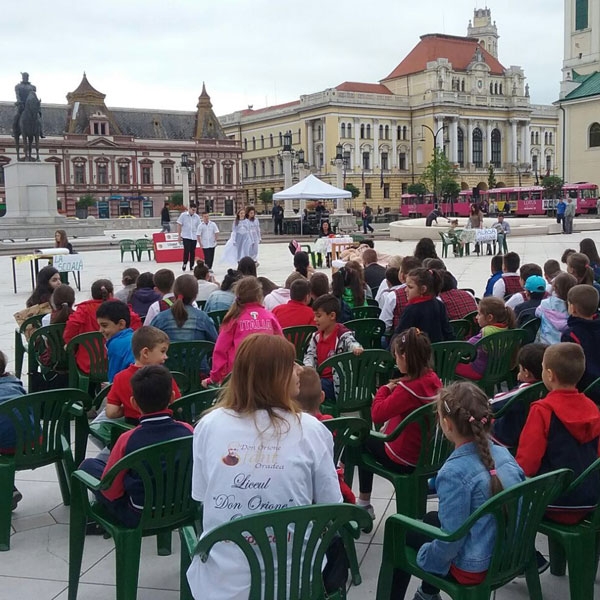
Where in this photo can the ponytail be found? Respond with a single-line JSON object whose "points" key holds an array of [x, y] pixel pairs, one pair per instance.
{"points": [[102, 289], [185, 290], [431, 279]]}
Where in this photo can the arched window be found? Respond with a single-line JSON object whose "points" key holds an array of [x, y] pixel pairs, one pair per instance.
{"points": [[550, 139], [537, 137], [496, 148], [271, 139], [500, 90], [245, 144], [272, 166], [546, 138], [262, 141], [262, 168], [319, 133], [254, 168], [362, 131], [491, 88], [399, 132], [349, 129], [496, 88], [405, 133], [387, 132], [381, 132], [477, 148], [253, 143], [462, 86], [532, 138], [343, 133], [368, 132], [280, 138], [460, 136], [595, 135]]}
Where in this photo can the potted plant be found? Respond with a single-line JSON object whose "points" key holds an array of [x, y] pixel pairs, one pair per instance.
{"points": [[82, 205]]}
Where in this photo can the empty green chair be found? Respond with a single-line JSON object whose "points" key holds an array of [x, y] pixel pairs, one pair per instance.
{"points": [[192, 359], [21, 340], [217, 317], [368, 332], [517, 512], [189, 408], [447, 356], [300, 337], [144, 245], [41, 422], [128, 245], [92, 344], [165, 471], [313, 256], [447, 242], [366, 312]]}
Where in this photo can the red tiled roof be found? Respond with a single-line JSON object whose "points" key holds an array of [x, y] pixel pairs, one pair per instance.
{"points": [[365, 88], [251, 111], [458, 50]]}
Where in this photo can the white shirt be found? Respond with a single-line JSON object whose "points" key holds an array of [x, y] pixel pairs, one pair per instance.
{"points": [[154, 309], [515, 300], [189, 225], [383, 291], [239, 471], [207, 232], [499, 289], [205, 289], [387, 312]]}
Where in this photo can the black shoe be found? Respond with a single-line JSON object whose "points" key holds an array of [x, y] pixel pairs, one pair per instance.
{"points": [[16, 498], [183, 267], [542, 563], [93, 528]]}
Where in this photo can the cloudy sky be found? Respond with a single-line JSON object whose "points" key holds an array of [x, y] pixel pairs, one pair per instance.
{"points": [[155, 54]]}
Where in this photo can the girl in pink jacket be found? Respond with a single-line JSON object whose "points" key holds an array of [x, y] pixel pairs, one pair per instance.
{"points": [[245, 317]]}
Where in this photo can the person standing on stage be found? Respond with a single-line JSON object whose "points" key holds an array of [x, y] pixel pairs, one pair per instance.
{"points": [[207, 238], [249, 230], [187, 226]]}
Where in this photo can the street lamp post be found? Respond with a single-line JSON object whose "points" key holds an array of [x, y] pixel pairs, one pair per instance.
{"points": [[185, 178], [435, 153]]}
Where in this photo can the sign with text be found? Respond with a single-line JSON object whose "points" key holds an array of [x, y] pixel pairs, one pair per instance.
{"points": [[68, 263], [167, 248]]}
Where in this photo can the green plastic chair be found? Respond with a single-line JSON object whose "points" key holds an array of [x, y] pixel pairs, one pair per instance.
{"points": [[313, 256], [366, 312], [526, 397], [461, 328], [21, 342], [41, 422], [531, 327], [217, 317], [128, 245], [576, 545], [501, 349], [300, 337], [93, 344], [46, 353], [517, 512], [311, 529], [447, 356], [411, 488], [447, 242], [165, 470], [144, 245], [190, 408], [358, 378], [368, 332], [192, 359], [472, 318], [593, 387], [372, 301]]}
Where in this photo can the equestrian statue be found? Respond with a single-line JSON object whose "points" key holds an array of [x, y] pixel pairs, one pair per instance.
{"points": [[27, 123]]}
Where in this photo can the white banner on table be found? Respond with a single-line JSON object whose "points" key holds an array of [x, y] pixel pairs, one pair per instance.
{"points": [[64, 263]]}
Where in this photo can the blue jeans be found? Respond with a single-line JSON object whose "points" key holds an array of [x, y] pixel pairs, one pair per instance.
{"points": [[327, 387], [366, 225]]}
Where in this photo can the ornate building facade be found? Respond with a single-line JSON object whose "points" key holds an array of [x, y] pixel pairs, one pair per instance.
{"points": [[449, 90], [129, 159]]}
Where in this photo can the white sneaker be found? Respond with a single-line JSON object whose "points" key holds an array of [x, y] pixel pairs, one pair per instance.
{"points": [[369, 508]]}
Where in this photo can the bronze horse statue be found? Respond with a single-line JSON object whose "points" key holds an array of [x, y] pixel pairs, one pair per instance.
{"points": [[29, 127]]}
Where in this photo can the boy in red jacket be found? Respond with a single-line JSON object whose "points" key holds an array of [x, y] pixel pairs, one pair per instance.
{"points": [[296, 311]]}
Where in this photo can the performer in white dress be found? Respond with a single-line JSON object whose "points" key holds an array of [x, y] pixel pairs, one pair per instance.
{"points": [[250, 231], [231, 251]]}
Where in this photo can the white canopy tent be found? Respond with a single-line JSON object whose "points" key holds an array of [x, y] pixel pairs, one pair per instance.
{"points": [[312, 188]]}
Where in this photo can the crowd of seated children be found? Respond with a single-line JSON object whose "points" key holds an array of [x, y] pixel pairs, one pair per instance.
{"points": [[534, 292], [507, 429], [496, 270], [587, 246], [128, 280], [246, 316], [418, 385], [424, 310], [390, 284], [61, 302], [274, 295], [562, 431], [551, 272], [525, 272], [583, 328], [143, 295], [396, 303], [163, 284], [459, 303], [114, 321], [206, 281], [319, 286], [348, 285], [152, 389], [330, 338], [474, 472], [223, 298], [48, 279], [509, 282], [296, 311], [553, 312], [492, 316], [579, 266]]}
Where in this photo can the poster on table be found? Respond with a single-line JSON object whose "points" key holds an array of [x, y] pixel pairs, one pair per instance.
{"points": [[168, 249]]}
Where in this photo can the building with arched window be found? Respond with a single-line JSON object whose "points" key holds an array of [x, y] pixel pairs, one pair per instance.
{"points": [[454, 85]]}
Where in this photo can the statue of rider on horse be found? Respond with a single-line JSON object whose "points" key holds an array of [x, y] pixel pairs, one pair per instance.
{"points": [[27, 123]]}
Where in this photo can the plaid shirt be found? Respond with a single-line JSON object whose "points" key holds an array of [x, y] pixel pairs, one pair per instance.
{"points": [[458, 303], [401, 304], [512, 284]]}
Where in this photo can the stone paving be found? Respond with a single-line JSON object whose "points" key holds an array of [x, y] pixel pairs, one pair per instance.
{"points": [[37, 564]]}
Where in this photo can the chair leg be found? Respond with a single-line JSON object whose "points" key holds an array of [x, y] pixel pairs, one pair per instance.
{"points": [[63, 482], [187, 536], [385, 579], [582, 566], [77, 521], [558, 557], [7, 482], [350, 547], [128, 547], [163, 543], [533, 580]]}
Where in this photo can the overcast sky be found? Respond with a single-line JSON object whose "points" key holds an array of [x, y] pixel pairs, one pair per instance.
{"points": [[155, 54]]}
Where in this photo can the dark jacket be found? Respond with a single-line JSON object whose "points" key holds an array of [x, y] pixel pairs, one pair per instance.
{"points": [[430, 316], [10, 387], [374, 275], [165, 217], [142, 298]]}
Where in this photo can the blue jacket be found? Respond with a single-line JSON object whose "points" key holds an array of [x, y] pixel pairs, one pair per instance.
{"points": [[119, 352], [463, 485], [489, 288], [198, 326], [10, 387], [560, 208], [219, 300]]}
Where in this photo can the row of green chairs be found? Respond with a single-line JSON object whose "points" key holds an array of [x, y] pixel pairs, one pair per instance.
{"points": [[137, 248]]}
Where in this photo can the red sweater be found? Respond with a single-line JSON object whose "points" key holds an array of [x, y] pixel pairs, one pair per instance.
{"points": [[293, 314], [83, 320], [392, 407]]}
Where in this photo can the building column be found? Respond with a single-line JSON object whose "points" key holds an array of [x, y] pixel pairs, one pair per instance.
{"points": [[376, 143], [394, 126], [310, 143], [542, 158], [357, 157], [487, 159], [454, 140], [469, 140], [325, 160], [439, 139], [513, 141], [526, 143]]}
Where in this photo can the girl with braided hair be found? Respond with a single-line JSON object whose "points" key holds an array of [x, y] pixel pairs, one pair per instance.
{"points": [[474, 472]]}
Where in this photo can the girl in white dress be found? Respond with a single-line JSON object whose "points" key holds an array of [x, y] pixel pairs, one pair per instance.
{"points": [[251, 234], [231, 252]]}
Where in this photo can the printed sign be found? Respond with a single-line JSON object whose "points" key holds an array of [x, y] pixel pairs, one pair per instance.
{"points": [[67, 263]]}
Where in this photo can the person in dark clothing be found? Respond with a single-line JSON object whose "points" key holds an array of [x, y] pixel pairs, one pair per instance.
{"points": [[583, 328], [535, 290], [366, 216], [373, 272], [424, 310], [165, 219], [433, 216], [277, 216], [144, 294]]}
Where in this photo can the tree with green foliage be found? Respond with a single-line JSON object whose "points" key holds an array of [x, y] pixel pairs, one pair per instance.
{"points": [[350, 187], [438, 170], [176, 199], [449, 188], [491, 177], [86, 201], [552, 186], [418, 189], [266, 197]]}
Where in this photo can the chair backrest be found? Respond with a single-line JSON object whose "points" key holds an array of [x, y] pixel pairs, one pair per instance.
{"points": [[295, 538], [531, 327], [472, 318], [300, 337], [594, 517], [30, 323], [501, 349], [592, 388], [165, 472], [144, 244], [524, 397], [190, 408], [192, 359], [461, 328], [217, 316], [337, 249], [127, 245], [447, 356], [92, 344], [372, 301], [366, 312], [358, 378], [368, 332], [40, 422], [47, 349], [346, 431]]}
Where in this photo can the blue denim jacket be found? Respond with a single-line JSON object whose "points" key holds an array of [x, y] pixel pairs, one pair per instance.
{"points": [[463, 485]]}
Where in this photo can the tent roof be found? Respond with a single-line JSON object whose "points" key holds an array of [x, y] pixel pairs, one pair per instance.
{"points": [[312, 188]]}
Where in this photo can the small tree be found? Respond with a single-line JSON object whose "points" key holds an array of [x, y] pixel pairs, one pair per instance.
{"points": [[418, 189], [85, 201], [437, 170], [552, 186], [176, 200], [491, 177], [449, 188], [349, 187], [266, 197]]}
